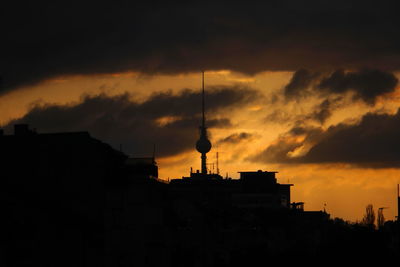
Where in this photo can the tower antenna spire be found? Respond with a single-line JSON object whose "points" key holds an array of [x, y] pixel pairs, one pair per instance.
{"points": [[202, 102]]}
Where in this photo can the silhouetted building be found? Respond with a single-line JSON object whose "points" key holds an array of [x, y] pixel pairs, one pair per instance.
{"points": [[146, 167], [260, 189], [72, 200], [252, 190]]}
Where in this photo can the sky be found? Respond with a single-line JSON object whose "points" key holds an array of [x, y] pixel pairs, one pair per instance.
{"points": [[310, 90]]}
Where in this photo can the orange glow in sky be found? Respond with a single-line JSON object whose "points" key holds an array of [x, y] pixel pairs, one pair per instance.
{"points": [[344, 190]]}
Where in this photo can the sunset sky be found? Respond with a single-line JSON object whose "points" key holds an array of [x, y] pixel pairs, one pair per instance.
{"points": [[308, 90]]}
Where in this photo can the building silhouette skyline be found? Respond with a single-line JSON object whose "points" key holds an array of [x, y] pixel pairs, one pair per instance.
{"points": [[70, 196]]}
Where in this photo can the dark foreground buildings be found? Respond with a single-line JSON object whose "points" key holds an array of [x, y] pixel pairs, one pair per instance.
{"points": [[71, 200]]}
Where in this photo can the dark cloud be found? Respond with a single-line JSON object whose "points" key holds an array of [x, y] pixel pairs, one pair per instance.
{"points": [[43, 40], [280, 150], [373, 142], [366, 84], [299, 84], [333, 89], [319, 113], [236, 138], [276, 153], [324, 110], [168, 120]]}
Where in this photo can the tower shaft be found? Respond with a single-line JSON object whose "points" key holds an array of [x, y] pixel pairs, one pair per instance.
{"points": [[203, 163], [203, 131]]}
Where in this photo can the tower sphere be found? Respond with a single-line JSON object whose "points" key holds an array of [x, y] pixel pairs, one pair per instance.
{"points": [[203, 145]]}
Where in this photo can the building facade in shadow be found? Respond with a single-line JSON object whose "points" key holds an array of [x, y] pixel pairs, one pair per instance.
{"points": [[72, 200]]}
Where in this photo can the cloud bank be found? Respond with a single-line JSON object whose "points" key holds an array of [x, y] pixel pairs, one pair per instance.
{"points": [[170, 121], [371, 143], [43, 40], [365, 84]]}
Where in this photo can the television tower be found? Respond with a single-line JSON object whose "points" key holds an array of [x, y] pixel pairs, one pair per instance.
{"points": [[203, 145]]}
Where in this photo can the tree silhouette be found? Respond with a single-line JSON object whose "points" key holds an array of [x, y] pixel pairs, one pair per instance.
{"points": [[369, 216]]}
